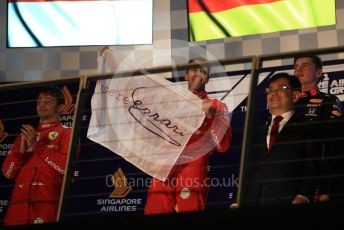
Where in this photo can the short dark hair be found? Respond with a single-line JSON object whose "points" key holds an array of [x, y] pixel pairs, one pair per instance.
{"points": [[199, 59], [294, 82], [54, 91], [315, 59]]}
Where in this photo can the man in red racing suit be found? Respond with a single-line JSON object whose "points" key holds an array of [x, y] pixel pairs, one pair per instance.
{"points": [[37, 163], [187, 187]]}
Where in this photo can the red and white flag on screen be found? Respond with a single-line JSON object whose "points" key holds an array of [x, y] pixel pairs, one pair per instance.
{"points": [[34, 23], [145, 119]]}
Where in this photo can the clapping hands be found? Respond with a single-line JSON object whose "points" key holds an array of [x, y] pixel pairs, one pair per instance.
{"points": [[28, 138]]}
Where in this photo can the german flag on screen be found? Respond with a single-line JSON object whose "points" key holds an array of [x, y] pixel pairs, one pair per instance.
{"points": [[212, 19]]}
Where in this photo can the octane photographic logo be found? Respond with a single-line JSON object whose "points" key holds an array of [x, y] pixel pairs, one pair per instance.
{"points": [[155, 112], [3, 134]]}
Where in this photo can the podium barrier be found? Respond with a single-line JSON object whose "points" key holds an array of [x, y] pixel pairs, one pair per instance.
{"points": [[89, 193]]}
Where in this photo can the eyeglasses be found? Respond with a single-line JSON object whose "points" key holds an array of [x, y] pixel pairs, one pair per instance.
{"points": [[282, 88]]}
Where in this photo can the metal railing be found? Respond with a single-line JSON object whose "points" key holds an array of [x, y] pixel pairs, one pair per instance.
{"points": [[84, 89]]}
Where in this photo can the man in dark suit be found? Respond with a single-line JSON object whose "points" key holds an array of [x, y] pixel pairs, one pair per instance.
{"points": [[283, 157]]}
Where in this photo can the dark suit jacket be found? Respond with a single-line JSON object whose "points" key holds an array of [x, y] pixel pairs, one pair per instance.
{"points": [[276, 177]]}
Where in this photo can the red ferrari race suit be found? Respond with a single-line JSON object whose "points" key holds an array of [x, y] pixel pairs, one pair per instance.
{"points": [[187, 187], [38, 175]]}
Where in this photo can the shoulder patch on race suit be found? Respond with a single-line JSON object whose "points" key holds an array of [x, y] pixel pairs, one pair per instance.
{"points": [[336, 113], [315, 100], [185, 193], [52, 135]]}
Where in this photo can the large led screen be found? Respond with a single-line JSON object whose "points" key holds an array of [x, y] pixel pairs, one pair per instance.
{"points": [[50, 23], [213, 19]]}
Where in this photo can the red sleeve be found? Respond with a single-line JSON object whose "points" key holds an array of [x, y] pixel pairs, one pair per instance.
{"points": [[221, 130], [14, 160], [55, 156]]}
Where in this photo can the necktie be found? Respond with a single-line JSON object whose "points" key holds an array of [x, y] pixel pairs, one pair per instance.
{"points": [[274, 130]]}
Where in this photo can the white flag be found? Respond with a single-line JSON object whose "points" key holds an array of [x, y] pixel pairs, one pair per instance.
{"points": [[145, 119]]}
